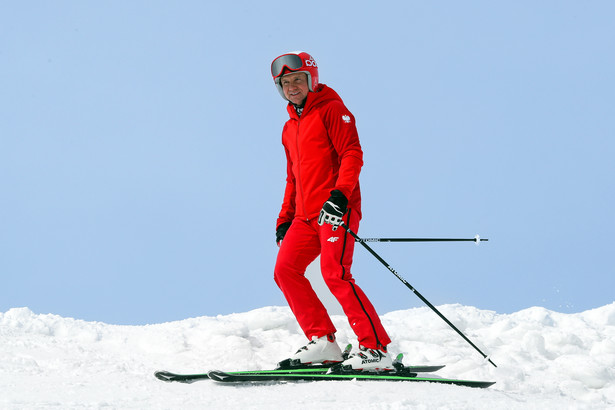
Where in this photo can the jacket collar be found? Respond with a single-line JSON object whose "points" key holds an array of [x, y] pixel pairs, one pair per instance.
{"points": [[323, 93]]}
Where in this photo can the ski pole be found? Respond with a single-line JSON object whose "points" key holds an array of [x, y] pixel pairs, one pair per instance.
{"points": [[477, 239], [416, 292]]}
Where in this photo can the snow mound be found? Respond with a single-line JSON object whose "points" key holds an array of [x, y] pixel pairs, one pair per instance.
{"points": [[545, 360]]}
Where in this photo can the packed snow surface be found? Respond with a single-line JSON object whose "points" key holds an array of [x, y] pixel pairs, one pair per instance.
{"points": [[546, 360]]}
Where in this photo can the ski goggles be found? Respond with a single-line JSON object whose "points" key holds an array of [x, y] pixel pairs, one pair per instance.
{"points": [[291, 61]]}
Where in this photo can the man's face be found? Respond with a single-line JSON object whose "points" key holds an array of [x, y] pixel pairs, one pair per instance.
{"points": [[295, 87]]}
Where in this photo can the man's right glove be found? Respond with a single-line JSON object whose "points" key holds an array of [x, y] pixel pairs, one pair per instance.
{"points": [[280, 233], [334, 209]]}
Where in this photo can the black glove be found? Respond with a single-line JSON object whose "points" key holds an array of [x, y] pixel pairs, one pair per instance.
{"points": [[280, 233], [334, 209]]}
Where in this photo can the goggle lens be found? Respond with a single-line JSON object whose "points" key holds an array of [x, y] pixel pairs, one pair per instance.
{"points": [[290, 61]]}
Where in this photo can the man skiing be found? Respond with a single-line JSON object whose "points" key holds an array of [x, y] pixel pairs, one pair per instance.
{"points": [[324, 159]]}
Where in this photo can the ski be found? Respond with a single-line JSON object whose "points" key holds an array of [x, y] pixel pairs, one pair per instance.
{"points": [[191, 378], [289, 366], [223, 377]]}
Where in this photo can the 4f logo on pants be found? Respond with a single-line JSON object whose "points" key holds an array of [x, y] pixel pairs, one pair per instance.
{"points": [[333, 239]]}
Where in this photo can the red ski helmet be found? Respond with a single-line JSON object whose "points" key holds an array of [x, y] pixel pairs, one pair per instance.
{"points": [[294, 62]]}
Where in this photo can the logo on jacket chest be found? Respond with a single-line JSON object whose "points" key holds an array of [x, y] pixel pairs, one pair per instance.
{"points": [[346, 119]]}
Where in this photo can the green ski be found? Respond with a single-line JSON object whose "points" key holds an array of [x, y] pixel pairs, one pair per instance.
{"points": [[191, 378], [270, 377]]}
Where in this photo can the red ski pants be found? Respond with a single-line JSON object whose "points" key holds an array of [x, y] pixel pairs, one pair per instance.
{"points": [[303, 242]]}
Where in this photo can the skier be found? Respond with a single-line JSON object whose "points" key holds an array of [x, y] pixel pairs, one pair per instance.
{"points": [[324, 159]]}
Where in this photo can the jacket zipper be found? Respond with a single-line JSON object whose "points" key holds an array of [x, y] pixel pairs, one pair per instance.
{"points": [[299, 183]]}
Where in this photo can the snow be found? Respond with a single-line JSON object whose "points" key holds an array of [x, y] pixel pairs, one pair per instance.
{"points": [[545, 360]]}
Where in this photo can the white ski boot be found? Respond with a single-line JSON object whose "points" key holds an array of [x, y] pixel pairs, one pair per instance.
{"points": [[320, 350], [367, 360]]}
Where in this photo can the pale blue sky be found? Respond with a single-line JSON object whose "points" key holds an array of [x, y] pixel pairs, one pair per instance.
{"points": [[141, 167]]}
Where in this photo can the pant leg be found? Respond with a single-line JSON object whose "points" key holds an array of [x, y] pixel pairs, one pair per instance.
{"points": [[299, 248], [337, 248]]}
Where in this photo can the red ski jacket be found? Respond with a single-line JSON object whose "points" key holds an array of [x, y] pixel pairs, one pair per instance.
{"points": [[323, 153]]}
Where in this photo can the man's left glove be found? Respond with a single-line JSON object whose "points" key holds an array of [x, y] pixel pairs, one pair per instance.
{"points": [[334, 209]]}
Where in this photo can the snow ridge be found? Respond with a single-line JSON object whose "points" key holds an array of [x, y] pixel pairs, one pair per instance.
{"points": [[545, 359]]}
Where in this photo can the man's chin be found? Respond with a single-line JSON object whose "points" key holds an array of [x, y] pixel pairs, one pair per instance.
{"points": [[298, 102]]}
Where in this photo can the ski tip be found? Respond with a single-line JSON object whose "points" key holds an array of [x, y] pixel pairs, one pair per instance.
{"points": [[163, 375], [218, 376], [169, 377]]}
